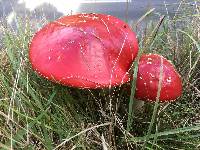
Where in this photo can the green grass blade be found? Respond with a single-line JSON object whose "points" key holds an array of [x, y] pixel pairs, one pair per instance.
{"points": [[131, 100], [156, 104], [167, 133]]}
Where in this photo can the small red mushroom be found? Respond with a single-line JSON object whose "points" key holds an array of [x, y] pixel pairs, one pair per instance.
{"points": [[84, 50], [148, 79]]}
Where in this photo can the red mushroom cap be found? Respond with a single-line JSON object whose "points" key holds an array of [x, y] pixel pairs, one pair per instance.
{"points": [[148, 79], [84, 50]]}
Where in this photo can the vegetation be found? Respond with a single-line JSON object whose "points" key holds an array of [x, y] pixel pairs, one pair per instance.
{"points": [[38, 114]]}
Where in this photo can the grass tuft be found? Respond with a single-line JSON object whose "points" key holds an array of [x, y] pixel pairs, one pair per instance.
{"points": [[38, 114]]}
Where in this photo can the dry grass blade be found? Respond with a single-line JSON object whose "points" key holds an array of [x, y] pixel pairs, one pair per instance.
{"points": [[82, 132], [43, 115], [198, 48], [143, 17], [104, 144], [155, 31]]}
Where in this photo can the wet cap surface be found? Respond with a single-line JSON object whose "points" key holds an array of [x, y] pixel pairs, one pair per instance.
{"points": [[148, 79], [84, 50]]}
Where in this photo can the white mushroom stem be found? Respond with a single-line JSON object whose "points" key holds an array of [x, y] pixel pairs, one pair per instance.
{"points": [[138, 104]]}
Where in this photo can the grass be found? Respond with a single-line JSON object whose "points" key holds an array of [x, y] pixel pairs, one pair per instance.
{"points": [[38, 114]]}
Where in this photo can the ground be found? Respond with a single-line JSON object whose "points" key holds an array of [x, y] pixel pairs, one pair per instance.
{"points": [[38, 114]]}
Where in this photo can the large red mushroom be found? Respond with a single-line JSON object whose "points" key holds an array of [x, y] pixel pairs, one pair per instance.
{"points": [[84, 50], [148, 79]]}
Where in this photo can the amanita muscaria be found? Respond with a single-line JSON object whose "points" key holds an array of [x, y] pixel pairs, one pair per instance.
{"points": [[148, 77], [84, 50]]}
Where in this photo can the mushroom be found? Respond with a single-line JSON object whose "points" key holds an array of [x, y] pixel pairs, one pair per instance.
{"points": [[84, 50], [148, 79]]}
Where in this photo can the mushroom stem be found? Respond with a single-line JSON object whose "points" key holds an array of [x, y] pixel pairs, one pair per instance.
{"points": [[137, 105]]}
